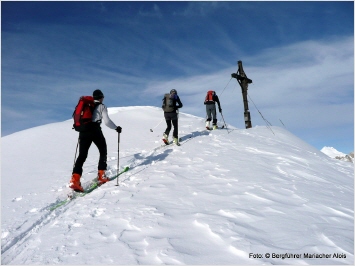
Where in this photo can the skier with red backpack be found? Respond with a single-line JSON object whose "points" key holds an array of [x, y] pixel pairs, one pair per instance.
{"points": [[210, 101], [88, 116]]}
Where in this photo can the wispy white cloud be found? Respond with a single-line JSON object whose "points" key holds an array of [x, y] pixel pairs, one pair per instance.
{"points": [[308, 85], [136, 51]]}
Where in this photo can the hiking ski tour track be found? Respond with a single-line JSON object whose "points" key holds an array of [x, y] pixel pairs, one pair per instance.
{"points": [[218, 196], [133, 166]]}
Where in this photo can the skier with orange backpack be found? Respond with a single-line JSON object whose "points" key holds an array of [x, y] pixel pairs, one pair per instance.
{"points": [[88, 116], [210, 101]]}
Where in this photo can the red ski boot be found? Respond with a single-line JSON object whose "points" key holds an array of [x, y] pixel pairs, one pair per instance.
{"points": [[75, 183], [101, 177]]}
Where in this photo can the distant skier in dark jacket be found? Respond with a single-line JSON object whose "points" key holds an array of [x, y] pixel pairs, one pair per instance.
{"points": [[171, 104], [93, 135], [210, 102]]}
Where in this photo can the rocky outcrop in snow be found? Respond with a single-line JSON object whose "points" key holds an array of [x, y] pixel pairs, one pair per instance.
{"points": [[333, 153]]}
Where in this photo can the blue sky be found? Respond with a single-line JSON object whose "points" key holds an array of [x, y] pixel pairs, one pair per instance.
{"points": [[300, 56]]}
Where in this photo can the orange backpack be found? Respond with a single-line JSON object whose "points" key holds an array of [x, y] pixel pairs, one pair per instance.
{"points": [[209, 96]]}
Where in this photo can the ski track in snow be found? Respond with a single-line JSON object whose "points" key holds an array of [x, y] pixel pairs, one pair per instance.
{"points": [[218, 215], [139, 163]]}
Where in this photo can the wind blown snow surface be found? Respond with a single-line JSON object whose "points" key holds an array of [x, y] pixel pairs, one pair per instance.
{"points": [[236, 196]]}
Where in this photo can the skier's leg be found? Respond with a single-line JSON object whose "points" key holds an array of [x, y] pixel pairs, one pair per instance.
{"points": [[168, 124], [209, 117], [85, 141], [208, 112], [168, 127], [214, 115], [100, 143], [175, 124]]}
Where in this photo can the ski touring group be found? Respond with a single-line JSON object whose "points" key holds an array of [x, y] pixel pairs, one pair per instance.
{"points": [[90, 112]]}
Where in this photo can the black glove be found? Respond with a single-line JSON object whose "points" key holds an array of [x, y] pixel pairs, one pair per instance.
{"points": [[220, 110], [119, 129]]}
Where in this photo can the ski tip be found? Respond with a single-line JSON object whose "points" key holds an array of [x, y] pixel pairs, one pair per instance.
{"points": [[126, 168]]}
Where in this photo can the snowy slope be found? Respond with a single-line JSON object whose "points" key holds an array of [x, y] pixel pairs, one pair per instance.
{"points": [[222, 197]]}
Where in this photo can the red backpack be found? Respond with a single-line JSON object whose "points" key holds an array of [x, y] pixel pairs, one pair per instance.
{"points": [[209, 96], [82, 114]]}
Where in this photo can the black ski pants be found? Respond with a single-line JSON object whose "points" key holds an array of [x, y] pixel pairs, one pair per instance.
{"points": [[85, 139], [171, 118]]}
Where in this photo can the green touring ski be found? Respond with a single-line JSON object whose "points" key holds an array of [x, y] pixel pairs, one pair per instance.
{"points": [[94, 185]]}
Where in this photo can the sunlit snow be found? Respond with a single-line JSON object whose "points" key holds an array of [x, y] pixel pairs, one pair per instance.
{"points": [[223, 197]]}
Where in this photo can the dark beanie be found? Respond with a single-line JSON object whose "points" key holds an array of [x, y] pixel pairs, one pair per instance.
{"points": [[97, 94]]}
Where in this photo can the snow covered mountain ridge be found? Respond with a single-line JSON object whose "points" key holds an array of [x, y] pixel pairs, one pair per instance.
{"points": [[229, 196], [333, 153]]}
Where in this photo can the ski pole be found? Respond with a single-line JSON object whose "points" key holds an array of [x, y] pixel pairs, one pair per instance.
{"points": [[151, 130], [224, 121], [282, 123], [76, 151], [118, 158]]}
